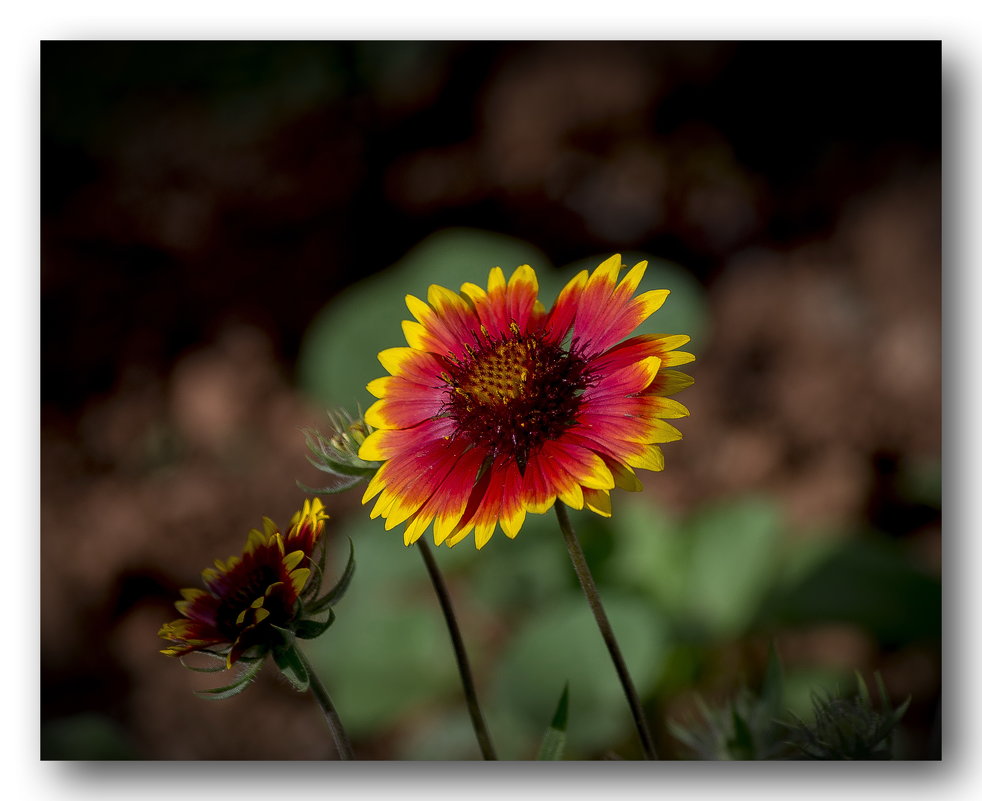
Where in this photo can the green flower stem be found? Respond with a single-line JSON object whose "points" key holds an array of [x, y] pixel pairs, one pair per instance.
{"points": [[340, 736], [593, 598], [463, 666]]}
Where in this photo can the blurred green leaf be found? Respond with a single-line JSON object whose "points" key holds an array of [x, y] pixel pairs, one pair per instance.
{"points": [[772, 689], [443, 734], [712, 571], [734, 549], [339, 354], [389, 652], [869, 582], [802, 683], [554, 741], [652, 552], [561, 641], [741, 744], [514, 576], [745, 727]]}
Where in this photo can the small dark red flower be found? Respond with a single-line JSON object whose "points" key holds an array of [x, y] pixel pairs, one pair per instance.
{"points": [[251, 598]]}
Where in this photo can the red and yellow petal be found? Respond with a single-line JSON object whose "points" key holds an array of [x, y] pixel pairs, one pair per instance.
{"points": [[560, 319], [385, 444], [481, 514], [669, 382], [629, 380], [641, 347], [455, 492], [390, 413], [505, 303], [448, 501], [415, 480], [598, 501], [414, 365], [607, 311], [512, 514]]}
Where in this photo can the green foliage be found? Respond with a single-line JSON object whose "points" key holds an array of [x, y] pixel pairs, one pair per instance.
{"points": [[336, 593], [311, 629], [554, 741], [389, 652], [757, 726], [292, 667], [561, 640], [710, 573], [204, 669], [516, 576], [848, 728], [746, 728], [866, 581], [250, 670], [338, 455]]}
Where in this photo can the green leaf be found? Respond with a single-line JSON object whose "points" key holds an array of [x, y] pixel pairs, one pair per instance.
{"points": [[311, 629], [214, 669], [554, 741], [338, 590], [881, 687], [732, 563], [741, 744], [253, 667], [292, 666], [869, 581], [341, 486], [324, 462], [864, 690], [772, 690], [561, 639], [313, 587]]}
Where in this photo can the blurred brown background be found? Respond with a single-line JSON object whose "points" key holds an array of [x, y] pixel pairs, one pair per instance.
{"points": [[202, 202]]}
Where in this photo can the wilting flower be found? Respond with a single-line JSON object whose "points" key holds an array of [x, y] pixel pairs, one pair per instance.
{"points": [[252, 601], [498, 408]]}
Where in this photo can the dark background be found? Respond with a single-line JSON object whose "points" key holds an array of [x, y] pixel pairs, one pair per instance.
{"points": [[204, 207]]}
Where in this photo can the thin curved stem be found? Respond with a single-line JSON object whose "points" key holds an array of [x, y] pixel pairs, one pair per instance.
{"points": [[593, 598], [463, 666], [340, 736]]}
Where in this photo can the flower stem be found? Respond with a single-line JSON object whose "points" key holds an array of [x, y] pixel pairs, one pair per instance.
{"points": [[340, 736], [593, 598], [463, 666]]}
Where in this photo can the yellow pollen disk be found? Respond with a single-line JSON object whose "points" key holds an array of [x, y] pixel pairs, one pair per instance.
{"points": [[498, 376]]}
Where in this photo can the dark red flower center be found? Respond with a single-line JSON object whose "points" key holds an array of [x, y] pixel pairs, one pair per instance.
{"points": [[245, 586], [514, 393]]}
